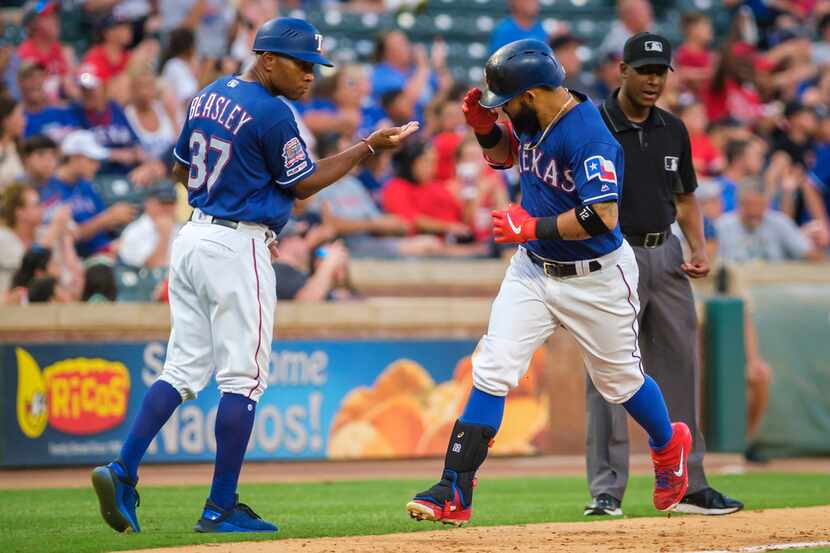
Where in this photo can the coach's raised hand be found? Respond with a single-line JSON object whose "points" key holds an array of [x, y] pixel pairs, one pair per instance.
{"points": [[479, 118], [392, 137], [333, 168]]}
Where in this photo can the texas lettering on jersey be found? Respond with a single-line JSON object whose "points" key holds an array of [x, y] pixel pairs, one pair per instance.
{"points": [[532, 162], [574, 163]]}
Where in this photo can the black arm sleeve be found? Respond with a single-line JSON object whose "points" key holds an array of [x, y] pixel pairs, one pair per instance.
{"points": [[491, 139], [546, 228]]}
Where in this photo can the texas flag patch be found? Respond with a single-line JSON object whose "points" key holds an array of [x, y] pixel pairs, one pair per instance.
{"points": [[601, 168], [293, 152]]}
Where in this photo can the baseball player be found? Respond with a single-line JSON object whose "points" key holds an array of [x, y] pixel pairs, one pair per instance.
{"points": [[243, 162], [571, 270]]}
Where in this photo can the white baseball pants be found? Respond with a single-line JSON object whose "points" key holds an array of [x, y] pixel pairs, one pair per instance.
{"points": [[222, 303], [599, 309]]}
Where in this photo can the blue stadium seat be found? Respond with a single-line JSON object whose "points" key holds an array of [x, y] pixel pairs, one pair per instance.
{"points": [[137, 284], [117, 188]]}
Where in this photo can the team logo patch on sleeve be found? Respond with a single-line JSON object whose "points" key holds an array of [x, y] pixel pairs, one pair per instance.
{"points": [[600, 168], [293, 152]]}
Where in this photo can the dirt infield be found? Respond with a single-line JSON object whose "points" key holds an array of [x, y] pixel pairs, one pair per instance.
{"points": [[757, 530]]}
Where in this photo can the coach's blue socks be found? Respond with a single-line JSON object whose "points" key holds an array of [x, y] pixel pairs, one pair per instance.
{"points": [[159, 403], [234, 422], [648, 408], [484, 409]]}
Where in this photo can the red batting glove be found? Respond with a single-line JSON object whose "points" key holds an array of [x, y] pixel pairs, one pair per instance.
{"points": [[479, 118], [513, 225]]}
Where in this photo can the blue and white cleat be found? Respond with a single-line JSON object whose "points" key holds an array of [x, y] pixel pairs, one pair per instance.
{"points": [[239, 518], [117, 497]]}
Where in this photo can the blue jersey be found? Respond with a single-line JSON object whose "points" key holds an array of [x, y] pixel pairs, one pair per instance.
{"points": [[244, 152], [53, 121], [112, 130], [84, 202], [576, 162]]}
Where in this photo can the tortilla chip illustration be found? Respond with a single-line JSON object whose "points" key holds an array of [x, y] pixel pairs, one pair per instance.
{"points": [[434, 441], [357, 440], [404, 376], [406, 413], [524, 417], [399, 420], [354, 405]]}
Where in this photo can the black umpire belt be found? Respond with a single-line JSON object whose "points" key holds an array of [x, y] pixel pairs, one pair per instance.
{"points": [[649, 240], [560, 269]]}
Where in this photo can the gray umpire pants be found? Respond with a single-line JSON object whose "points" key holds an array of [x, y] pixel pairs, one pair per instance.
{"points": [[669, 349]]}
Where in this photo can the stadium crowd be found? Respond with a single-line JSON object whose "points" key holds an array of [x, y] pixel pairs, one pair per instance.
{"points": [[87, 130]]}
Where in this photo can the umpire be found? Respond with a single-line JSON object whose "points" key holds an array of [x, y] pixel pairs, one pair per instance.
{"points": [[658, 188]]}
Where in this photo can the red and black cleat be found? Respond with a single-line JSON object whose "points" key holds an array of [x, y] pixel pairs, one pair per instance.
{"points": [[671, 474], [441, 503]]}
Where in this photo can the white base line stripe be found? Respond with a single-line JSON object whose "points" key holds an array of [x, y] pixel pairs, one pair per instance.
{"points": [[769, 547]]}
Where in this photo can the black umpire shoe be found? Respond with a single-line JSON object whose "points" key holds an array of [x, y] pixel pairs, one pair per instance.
{"points": [[604, 504], [708, 501]]}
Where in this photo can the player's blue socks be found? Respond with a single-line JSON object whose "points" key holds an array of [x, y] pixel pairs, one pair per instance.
{"points": [[484, 409], [648, 408], [159, 403], [234, 422]]}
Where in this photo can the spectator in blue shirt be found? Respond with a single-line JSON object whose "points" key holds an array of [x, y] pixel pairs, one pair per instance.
{"points": [[42, 117], [522, 23], [72, 186], [820, 174], [744, 159], [409, 68], [342, 104], [9, 65], [108, 122]]}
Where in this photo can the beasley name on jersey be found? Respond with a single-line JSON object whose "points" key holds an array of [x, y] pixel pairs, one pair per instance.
{"points": [[576, 162], [244, 152]]}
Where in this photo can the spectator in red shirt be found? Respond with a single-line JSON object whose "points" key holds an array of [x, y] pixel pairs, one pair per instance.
{"points": [[450, 130], [706, 157], [417, 197], [732, 92], [694, 59], [109, 58], [481, 188], [44, 48]]}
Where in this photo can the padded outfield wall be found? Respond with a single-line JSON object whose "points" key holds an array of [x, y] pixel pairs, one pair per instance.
{"points": [[383, 378]]}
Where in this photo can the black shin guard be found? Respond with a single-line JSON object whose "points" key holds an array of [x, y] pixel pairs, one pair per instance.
{"points": [[466, 452]]}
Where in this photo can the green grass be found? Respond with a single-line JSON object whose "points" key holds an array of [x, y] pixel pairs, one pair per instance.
{"points": [[67, 520]]}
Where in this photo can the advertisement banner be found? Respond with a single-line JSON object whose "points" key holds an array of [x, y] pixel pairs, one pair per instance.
{"points": [[73, 403]]}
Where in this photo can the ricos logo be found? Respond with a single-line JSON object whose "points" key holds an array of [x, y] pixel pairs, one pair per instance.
{"points": [[76, 396]]}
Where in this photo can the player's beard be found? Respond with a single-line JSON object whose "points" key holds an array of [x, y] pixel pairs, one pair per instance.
{"points": [[525, 122]]}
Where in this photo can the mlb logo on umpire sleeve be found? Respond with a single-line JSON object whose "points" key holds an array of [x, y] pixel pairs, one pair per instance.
{"points": [[653, 46], [671, 163]]}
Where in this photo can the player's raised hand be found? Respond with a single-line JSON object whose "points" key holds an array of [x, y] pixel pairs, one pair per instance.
{"points": [[478, 117], [391, 138], [513, 225]]}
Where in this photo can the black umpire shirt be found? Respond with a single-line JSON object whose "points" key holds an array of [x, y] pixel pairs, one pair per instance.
{"points": [[658, 165]]}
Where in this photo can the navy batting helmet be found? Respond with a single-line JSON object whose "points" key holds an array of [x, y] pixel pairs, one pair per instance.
{"points": [[517, 67], [293, 38]]}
